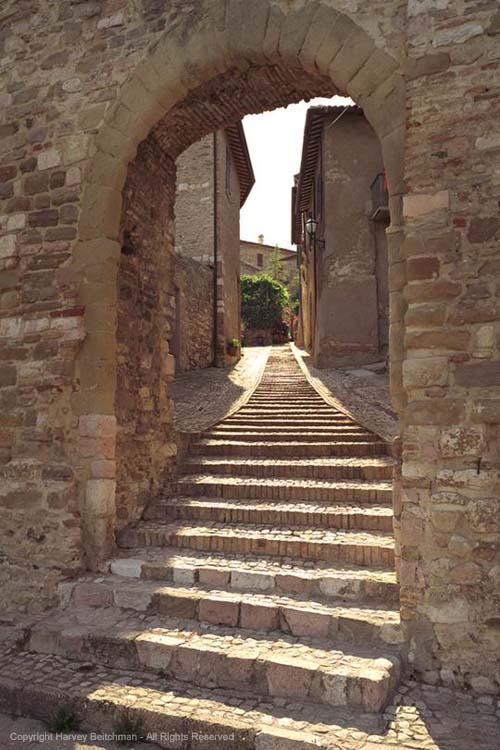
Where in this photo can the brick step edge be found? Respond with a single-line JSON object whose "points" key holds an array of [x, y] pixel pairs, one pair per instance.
{"points": [[225, 488], [344, 585], [330, 518], [231, 609], [275, 471], [289, 449], [351, 552]]}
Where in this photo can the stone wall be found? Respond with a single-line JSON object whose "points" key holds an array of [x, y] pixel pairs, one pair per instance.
{"points": [[450, 570], [145, 448], [194, 284], [81, 85]]}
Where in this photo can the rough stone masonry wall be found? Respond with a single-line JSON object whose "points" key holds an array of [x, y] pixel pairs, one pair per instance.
{"points": [[450, 569], [144, 327], [195, 284]]}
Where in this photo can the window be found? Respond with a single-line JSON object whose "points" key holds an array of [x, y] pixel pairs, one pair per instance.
{"points": [[260, 260]]}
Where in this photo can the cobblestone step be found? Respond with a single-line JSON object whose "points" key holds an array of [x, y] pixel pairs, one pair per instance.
{"points": [[263, 612], [331, 430], [288, 409], [276, 399], [286, 449], [309, 670], [174, 712], [352, 547], [311, 468], [289, 435], [371, 518], [240, 573], [295, 422], [257, 488]]}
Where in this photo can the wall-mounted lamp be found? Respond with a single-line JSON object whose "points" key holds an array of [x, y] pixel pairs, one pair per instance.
{"points": [[311, 228]]}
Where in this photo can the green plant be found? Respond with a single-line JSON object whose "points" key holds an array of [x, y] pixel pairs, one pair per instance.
{"points": [[235, 343], [274, 268], [129, 731], [63, 720], [262, 301]]}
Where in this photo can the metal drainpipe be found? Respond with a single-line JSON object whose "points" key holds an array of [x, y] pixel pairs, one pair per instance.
{"points": [[215, 332]]}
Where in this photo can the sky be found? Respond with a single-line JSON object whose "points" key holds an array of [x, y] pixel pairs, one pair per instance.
{"points": [[275, 145]]}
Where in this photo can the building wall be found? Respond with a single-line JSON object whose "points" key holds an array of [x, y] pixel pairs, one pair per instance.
{"points": [[144, 329], [382, 279], [228, 251], [193, 340], [249, 252], [194, 201], [347, 324], [192, 344]]}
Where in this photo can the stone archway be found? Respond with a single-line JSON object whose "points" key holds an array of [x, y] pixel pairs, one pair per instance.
{"points": [[202, 74], [81, 111]]}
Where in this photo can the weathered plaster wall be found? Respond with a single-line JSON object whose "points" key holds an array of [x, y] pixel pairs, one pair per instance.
{"points": [[145, 449], [347, 313], [228, 250], [194, 248], [194, 201]]}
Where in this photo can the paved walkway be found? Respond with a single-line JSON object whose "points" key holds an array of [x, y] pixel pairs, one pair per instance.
{"points": [[203, 397], [362, 392]]}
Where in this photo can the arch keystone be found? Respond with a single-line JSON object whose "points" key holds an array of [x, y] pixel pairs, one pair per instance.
{"points": [[246, 26]]}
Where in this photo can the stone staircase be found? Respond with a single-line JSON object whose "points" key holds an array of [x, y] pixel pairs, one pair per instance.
{"points": [[259, 601]]}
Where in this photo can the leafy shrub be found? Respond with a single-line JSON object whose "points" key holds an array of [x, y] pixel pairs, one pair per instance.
{"points": [[262, 301]]}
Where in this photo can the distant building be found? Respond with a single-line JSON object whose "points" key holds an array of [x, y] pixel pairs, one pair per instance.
{"points": [[214, 179], [256, 257], [339, 217]]}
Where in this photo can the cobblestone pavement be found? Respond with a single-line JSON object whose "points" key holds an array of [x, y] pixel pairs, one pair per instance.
{"points": [[362, 392], [420, 718], [203, 397]]}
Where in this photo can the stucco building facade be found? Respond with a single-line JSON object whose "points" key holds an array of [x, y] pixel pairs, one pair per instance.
{"points": [[344, 312], [92, 91], [214, 178]]}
